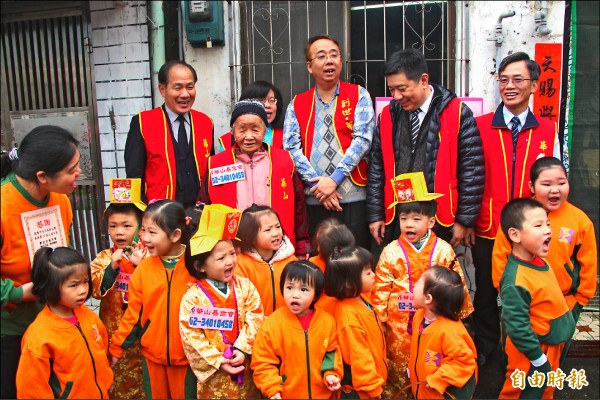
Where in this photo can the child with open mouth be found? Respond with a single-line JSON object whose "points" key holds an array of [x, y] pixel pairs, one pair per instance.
{"points": [[221, 313], [296, 354]]}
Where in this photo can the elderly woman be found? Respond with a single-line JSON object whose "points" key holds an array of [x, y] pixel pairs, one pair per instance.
{"points": [[273, 102], [268, 176]]}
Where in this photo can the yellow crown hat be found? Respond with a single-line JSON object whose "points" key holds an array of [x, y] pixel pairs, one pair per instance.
{"points": [[411, 187], [127, 190], [217, 222]]}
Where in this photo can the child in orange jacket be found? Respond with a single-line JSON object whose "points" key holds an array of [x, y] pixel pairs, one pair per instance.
{"points": [[296, 354], [265, 251], [349, 277], [152, 316], [331, 233], [535, 316], [64, 349], [442, 354], [573, 254]]}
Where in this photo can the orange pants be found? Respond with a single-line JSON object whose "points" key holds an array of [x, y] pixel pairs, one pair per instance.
{"points": [[168, 382], [517, 360]]}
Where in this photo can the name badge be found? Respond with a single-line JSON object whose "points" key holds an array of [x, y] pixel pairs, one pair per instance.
{"points": [[227, 174], [405, 302], [212, 318], [122, 282]]}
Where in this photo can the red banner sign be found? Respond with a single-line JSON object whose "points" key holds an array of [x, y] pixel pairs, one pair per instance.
{"points": [[546, 99]]}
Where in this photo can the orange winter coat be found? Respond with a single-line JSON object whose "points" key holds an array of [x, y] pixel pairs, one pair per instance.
{"points": [[444, 357], [289, 360], [155, 293], [363, 348], [265, 275], [61, 360]]}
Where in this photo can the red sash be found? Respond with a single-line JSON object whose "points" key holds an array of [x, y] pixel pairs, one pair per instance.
{"points": [[282, 197], [161, 165], [345, 106], [445, 180]]}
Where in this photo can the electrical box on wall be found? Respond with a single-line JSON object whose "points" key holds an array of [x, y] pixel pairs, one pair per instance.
{"points": [[204, 23]]}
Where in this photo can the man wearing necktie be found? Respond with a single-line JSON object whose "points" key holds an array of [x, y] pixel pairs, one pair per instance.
{"points": [[424, 128], [168, 146], [512, 138]]}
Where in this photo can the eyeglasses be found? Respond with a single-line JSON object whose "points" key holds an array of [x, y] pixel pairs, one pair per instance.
{"points": [[321, 57], [271, 100], [516, 81]]}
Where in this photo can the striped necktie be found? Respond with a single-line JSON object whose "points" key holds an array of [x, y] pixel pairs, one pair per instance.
{"points": [[515, 129], [414, 126]]}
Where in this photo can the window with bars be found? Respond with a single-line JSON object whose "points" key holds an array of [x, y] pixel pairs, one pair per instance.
{"points": [[274, 33]]}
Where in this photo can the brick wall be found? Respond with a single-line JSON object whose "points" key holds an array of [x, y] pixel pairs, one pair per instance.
{"points": [[122, 72]]}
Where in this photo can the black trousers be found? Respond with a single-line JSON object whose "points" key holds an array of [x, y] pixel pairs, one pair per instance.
{"points": [[10, 352], [354, 215], [486, 317]]}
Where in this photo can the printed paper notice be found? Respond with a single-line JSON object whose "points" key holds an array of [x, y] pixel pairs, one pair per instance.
{"points": [[43, 228]]}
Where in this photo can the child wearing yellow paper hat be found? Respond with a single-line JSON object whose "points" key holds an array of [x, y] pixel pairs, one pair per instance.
{"points": [[111, 270], [400, 266], [220, 313]]}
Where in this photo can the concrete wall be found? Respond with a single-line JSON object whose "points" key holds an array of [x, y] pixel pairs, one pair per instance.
{"points": [[213, 90], [519, 36], [122, 73]]}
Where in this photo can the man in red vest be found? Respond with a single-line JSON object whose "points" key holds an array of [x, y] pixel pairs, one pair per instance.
{"points": [[513, 138], [425, 128], [328, 131], [168, 146]]}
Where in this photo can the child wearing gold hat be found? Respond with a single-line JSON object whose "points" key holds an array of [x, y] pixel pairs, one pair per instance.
{"points": [[401, 264], [220, 314], [111, 270]]}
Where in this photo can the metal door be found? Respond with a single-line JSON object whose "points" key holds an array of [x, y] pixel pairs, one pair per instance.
{"points": [[47, 78]]}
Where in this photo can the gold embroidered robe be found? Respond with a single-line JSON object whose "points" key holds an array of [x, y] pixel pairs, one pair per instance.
{"points": [[204, 347], [128, 371], [391, 279]]}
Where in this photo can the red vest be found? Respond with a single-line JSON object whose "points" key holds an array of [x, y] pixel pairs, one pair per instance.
{"points": [[500, 171], [227, 139], [445, 180], [304, 107], [282, 191], [161, 173]]}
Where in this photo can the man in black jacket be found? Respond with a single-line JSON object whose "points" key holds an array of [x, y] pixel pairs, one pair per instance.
{"points": [[425, 128]]}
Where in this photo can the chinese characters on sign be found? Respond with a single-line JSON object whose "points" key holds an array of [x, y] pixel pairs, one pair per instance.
{"points": [[546, 99], [43, 228], [212, 318], [575, 380], [226, 174]]}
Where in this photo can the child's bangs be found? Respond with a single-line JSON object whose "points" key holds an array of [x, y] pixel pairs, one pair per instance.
{"points": [[302, 275]]}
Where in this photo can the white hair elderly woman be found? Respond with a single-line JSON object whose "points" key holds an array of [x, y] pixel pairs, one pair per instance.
{"points": [[252, 172]]}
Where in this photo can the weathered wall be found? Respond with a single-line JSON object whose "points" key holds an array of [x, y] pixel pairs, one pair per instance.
{"points": [[518, 36], [122, 72], [213, 90]]}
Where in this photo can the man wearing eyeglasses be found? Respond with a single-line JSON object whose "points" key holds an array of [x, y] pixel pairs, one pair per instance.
{"points": [[512, 138], [328, 131]]}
